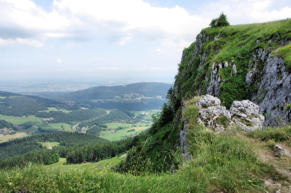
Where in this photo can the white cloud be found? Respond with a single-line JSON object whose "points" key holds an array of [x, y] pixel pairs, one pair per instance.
{"points": [[131, 19], [59, 60], [23, 41]]}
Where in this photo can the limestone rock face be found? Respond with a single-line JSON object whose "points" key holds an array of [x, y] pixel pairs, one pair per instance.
{"points": [[215, 80], [245, 114], [274, 89], [267, 73], [212, 114], [208, 101]]}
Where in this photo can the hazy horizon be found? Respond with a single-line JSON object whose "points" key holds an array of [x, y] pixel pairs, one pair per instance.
{"points": [[34, 86]]}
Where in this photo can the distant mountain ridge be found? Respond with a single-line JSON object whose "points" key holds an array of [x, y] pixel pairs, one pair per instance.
{"points": [[19, 105], [136, 96]]}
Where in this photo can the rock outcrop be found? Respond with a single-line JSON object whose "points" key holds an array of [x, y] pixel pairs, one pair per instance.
{"points": [[242, 114], [245, 114], [211, 114]]}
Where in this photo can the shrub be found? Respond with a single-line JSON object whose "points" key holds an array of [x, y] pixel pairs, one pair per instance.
{"points": [[220, 21]]}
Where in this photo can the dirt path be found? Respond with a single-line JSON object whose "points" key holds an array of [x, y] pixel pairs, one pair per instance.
{"points": [[281, 164]]}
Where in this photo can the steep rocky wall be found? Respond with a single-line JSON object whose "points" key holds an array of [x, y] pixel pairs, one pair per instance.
{"points": [[254, 74], [274, 87], [271, 81]]}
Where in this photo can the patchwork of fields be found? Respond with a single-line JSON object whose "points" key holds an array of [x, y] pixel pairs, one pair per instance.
{"points": [[110, 125]]}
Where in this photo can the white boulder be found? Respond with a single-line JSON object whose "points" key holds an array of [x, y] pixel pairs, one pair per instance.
{"points": [[211, 114], [245, 114]]}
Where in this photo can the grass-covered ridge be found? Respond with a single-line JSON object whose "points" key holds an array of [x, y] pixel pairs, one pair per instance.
{"points": [[234, 45], [239, 41]]}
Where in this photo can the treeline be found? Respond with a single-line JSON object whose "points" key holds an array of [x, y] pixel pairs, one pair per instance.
{"points": [[73, 154], [44, 157], [32, 143], [94, 153]]}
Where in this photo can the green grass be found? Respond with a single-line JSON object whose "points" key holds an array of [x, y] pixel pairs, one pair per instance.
{"points": [[226, 165], [285, 53], [247, 35], [41, 179], [118, 131], [21, 120], [282, 134], [102, 165], [116, 125], [58, 127]]}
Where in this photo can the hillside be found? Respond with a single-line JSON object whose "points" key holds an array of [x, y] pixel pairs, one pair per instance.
{"points": [[138, 96], [20, 105], [46, 141], [210, 137], [22, 115]]}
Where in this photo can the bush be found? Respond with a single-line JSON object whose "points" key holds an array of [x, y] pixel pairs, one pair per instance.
{"points": [[220, 21]]}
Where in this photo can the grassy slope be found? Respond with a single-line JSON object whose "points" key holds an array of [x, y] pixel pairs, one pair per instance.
{"points": [[87, 178], [229, 164]]}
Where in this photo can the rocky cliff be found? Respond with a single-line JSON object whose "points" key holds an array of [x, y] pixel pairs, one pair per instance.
{"points": [[238, 63], [233, 76]]}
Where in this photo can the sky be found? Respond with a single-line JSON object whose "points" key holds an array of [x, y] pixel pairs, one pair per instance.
{"points": [[112, 40]]}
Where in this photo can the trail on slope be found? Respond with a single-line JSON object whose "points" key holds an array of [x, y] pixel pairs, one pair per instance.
{"points": [[281, 164]]}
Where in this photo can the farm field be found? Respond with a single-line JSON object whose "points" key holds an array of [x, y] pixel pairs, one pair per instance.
{"points": [[113, 128], [118, 131], [6, 138], [18, 120]]}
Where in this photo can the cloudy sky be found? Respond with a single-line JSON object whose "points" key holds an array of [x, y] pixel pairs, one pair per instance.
{"points": [[112, 40]]}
